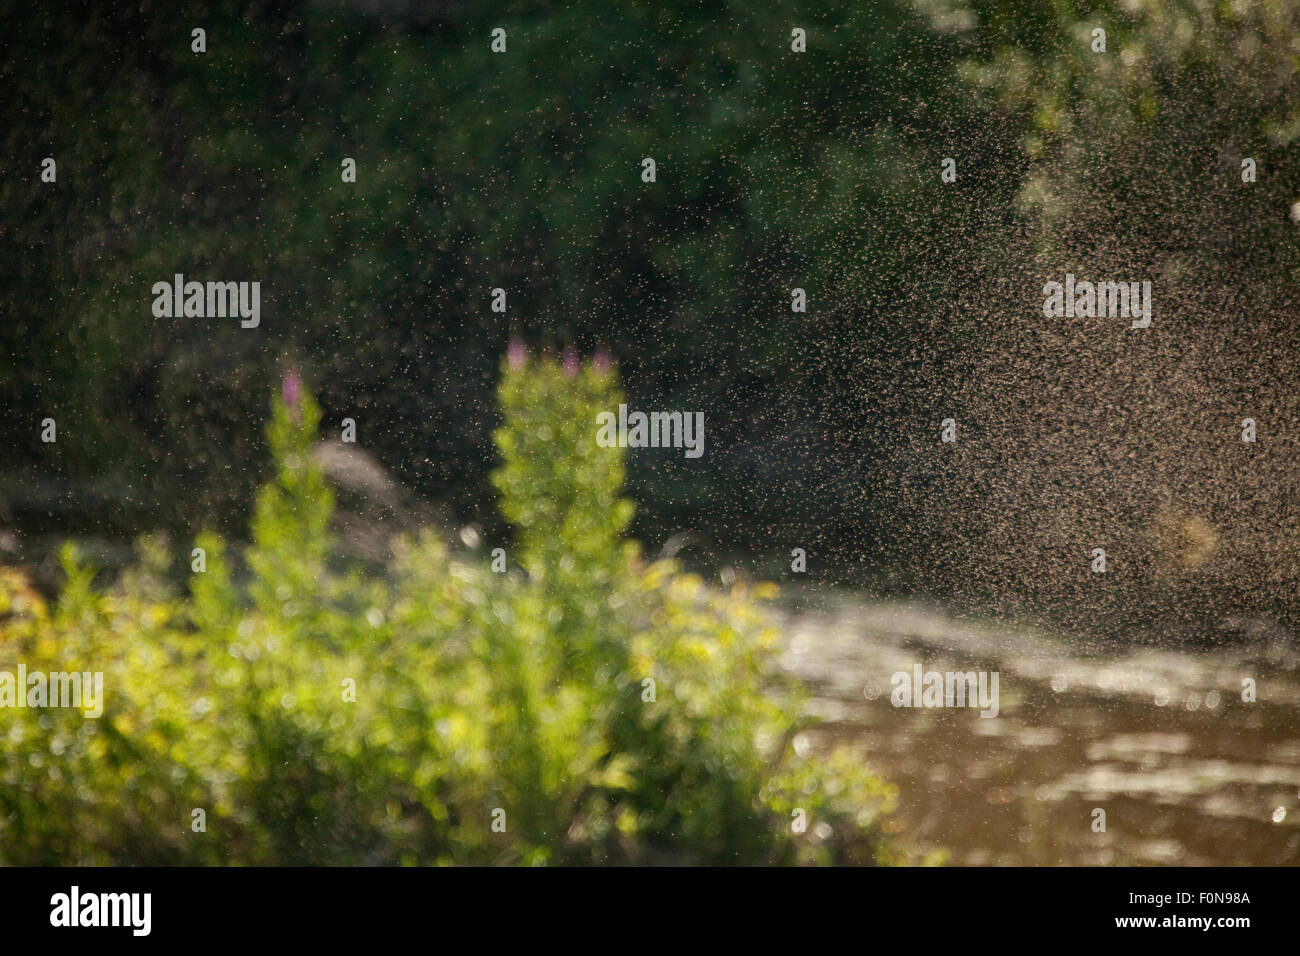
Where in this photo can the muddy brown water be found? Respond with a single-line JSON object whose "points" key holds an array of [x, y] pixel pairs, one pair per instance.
{"points": [[1187, 772]]}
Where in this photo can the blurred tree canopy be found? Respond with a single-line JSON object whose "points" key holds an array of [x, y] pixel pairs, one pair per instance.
{"points": [[476, 171], [775, 170]]}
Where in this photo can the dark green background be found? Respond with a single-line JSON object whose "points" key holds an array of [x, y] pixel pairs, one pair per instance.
{"points": [[775, 170]]}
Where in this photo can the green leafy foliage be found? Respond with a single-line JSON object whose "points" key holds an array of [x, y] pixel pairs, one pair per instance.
{"points": [[318, 714]]}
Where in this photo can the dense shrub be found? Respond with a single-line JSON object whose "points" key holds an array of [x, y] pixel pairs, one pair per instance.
{"points": [[525, 691]]}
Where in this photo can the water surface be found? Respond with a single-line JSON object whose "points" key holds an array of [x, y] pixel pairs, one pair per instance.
{"points": [[1160, 739]]}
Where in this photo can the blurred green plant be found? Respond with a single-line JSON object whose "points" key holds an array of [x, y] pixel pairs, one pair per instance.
{"points": [[600, 708]]}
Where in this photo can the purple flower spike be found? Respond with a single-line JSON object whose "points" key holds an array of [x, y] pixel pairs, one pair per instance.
{"points": [[516, 354], [571, 364], [602, 362], [291, 390]]}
